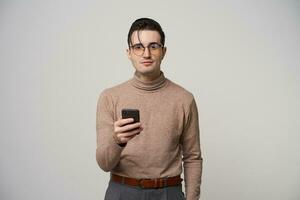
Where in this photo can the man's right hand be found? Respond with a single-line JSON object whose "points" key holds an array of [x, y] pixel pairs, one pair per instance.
{"points": [[124, 130]]}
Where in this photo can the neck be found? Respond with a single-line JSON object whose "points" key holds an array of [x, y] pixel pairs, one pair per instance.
{"points": [[148, 77]]}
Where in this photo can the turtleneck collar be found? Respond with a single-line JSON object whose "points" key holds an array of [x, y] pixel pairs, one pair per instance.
{"points": [[153, 85]]}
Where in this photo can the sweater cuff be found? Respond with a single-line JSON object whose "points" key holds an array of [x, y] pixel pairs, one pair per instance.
{"points": [[115, 145]]}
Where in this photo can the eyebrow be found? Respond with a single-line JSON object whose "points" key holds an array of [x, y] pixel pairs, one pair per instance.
{"points": [[144, 45]]}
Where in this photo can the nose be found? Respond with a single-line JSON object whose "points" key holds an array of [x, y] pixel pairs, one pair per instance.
{"points": [[147, 53]]}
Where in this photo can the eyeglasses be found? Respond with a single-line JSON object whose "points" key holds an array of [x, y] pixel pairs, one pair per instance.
{"points": [[139, 49]]}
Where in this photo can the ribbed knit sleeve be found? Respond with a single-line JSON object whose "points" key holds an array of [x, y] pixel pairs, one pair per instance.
{"points": [[192, 160], [108, 151]]}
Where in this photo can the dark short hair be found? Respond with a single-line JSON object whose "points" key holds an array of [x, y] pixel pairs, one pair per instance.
{"points": [[146, 24]]}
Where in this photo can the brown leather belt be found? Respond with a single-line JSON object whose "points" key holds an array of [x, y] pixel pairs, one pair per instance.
{"points": [[147, 183]]}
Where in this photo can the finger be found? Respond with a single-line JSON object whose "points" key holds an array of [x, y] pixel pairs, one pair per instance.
{"points": [[130, 133], [122, 139], [122, 122], [126, 139], [129, 127]]}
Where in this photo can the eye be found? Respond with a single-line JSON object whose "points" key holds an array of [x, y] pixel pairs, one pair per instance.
{"points": [[154, 46], [138, 46]]}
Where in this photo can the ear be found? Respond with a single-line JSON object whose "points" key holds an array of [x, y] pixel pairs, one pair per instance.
{"points": [[128, 52], [164, 52]]}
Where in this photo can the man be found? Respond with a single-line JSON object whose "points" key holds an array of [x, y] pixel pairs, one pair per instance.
{"points": [[145, 158]]}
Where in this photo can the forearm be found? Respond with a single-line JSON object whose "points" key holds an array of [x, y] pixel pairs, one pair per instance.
{"points": [[192, 178], [192, 160], [108, 151], [108, 155]]}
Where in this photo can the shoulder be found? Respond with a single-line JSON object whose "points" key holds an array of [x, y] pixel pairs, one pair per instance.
{"points": [[114, 90], [181, 92]]}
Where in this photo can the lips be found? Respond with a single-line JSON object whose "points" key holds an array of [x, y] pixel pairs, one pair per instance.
{"points": [[148, 62]]}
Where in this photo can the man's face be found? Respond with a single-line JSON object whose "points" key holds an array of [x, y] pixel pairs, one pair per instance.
{"points": [[147, 62]]}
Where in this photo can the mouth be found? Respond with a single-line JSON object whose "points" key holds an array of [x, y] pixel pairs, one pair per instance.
{"points": [[147, 63]]}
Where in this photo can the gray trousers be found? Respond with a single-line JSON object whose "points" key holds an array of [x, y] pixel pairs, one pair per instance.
{"points": [[117, 191]]}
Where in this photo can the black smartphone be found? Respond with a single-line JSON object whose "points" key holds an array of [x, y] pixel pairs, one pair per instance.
{"points": [[131, 113]]}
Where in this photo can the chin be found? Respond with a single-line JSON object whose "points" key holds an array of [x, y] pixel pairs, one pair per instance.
{"points": [[146, 70]]}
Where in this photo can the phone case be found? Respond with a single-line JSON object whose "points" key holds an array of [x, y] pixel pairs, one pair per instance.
{"points": [[131, 113]]}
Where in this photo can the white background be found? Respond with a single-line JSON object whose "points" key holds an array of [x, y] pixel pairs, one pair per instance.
{"points": [[240, 59]]}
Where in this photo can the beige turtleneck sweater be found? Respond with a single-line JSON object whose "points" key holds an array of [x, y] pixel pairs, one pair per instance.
{"points": [[168, 114]]}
